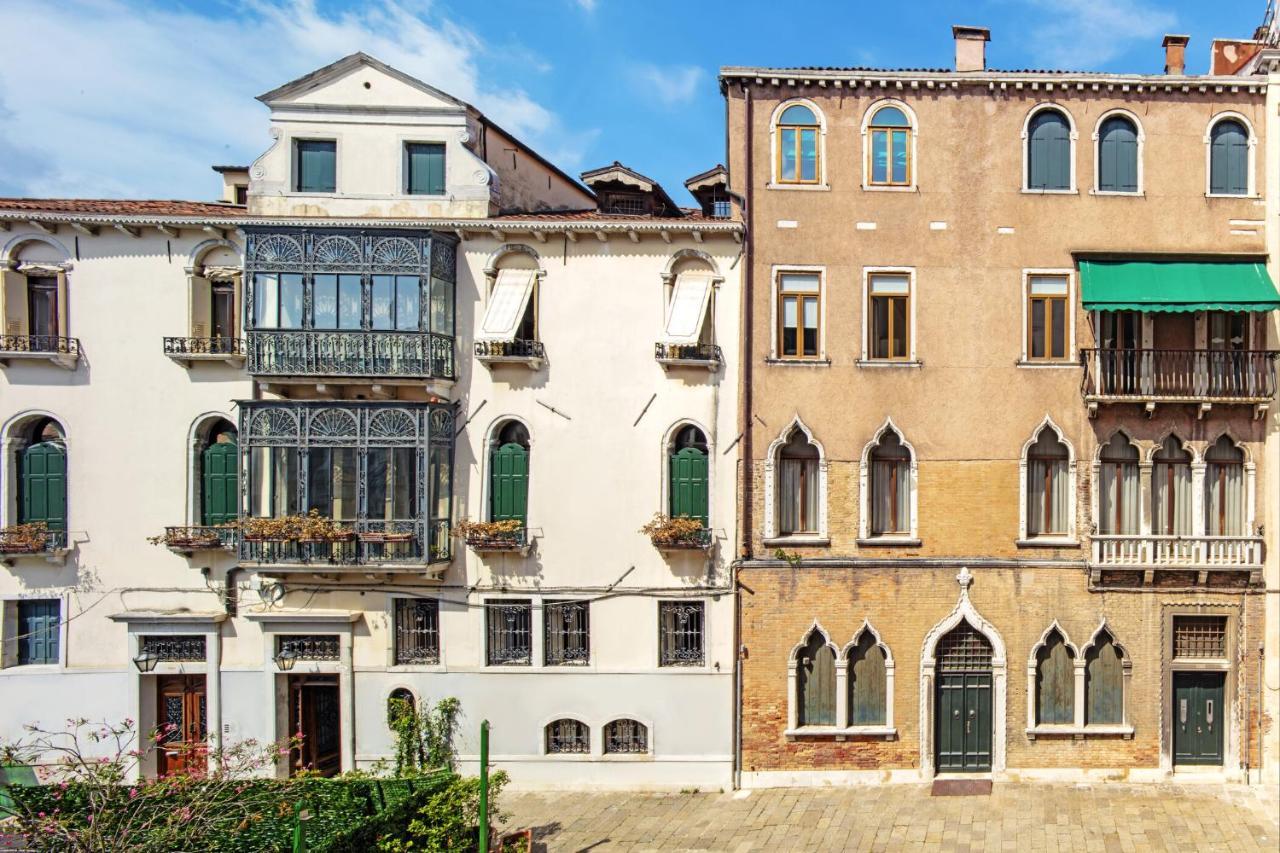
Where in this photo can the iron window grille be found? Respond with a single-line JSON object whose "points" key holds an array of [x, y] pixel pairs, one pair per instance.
{"points": [[680, 626], [178, 647], [309, 646], [964, 649], [417, 636], [567, 632], [509, 633], [626, 737], [1199, 636], [567, 737]]}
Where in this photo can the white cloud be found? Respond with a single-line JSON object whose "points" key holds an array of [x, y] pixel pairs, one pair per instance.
{"points": [[674, 84], [1084, 35], [141, 100], [587, 6]]}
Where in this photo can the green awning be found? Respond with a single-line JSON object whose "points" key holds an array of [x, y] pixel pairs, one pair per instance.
{"points": [[1177, 286]]}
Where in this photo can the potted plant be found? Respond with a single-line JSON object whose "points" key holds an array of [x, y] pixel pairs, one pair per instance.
{"points": [[29, 538], [681, 532], [504, 535]]}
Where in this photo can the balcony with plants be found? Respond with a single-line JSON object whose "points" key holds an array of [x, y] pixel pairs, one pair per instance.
{"points": [[677, 534], [192, 538], [508, 535], [34, 539]]}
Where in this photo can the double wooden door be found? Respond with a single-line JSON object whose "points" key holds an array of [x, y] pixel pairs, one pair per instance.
{"points": [[182, 716], [964, 722], [315, 723], [1198, 717]]}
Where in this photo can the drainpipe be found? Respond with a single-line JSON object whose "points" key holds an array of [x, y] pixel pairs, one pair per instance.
{"points": [[1262, 696], [745, 356]]}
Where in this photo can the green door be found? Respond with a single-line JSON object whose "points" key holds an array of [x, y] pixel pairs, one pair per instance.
{"points": [[1198, 717], [509, 484], [44, 485], [689, 484], [218, 470], [962, 703]]}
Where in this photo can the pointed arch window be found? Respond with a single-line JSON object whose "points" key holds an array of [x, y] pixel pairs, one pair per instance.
{"points": [[815, 667], [1224, 491], [891, 145], [1171, 489], [1105, 670], [798, 492], [1055, 681], [1118, 155], [509, 474], [867, 682], [1048, 486], [1118, 493], [688, 472], [799, 154], [1049, 151], [891, 486]]}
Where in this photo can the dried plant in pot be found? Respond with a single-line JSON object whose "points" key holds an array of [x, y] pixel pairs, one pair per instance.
{"points": [[508, 533], [29, 538], [676, 533]]}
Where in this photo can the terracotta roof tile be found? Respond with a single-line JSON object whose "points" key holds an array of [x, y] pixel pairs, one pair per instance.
{"points": [[596, 216], [122, 207]]}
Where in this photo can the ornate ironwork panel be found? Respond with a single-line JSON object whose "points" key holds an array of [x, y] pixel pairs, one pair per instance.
{"points": [[688, 352], [309, 646], [350, 354], [626, 737], [567, 632], [1199, 636], [568, 736], [680, 633], [417, 635], [175, 647], [964, 649], [39, 343], [510, 349], [204, 346], [510, 632]]}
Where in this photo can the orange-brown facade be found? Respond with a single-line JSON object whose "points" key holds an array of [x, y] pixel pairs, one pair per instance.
{"points": [[966, 237]]}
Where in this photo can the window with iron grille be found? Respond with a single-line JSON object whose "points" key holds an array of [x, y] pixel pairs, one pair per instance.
{"points": [[309, 646], [630, 204], [1199, 636], [568, 736], [417, 637], [680, 633], [177, 647], [567, 632], [626, 736], [964, 649], [509, 632]]}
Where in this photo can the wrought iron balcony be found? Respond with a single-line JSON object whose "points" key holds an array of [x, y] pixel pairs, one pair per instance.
{"points": [[483, 540], [387, 544], [530, 353], [186, 351], [694, 540], [313, 355], [1178, 553], [688, 355], [31, 539], [64, 352], [1178, 376], [191, 538]]}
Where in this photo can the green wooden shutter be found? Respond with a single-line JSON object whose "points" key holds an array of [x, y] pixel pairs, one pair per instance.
{"points": [[426, 168], [1118, 156], [509, 483], [44, 485], [317, 166], [867, 684], [1049, 152], [1055, 683], [816, 682], [1229, 159], [221, 497], [1103, 689], [689, 484], [38, 632]]}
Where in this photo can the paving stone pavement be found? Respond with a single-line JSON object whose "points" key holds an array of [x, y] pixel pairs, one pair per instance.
{"points": [[1015, 817]]}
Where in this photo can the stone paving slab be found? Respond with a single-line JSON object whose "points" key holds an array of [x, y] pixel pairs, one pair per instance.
{"points": [[1015, 817]]}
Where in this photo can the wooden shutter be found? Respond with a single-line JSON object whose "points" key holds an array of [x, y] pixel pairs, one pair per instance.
{"points": [[816, 682], [218, 471], [867, 700], [509, 484], [426, 169], [1049, 153], [1055, 683], [1118, 157], [38, 632], [44, 485], [689, 484], [1103, 689], [1229, 159]]}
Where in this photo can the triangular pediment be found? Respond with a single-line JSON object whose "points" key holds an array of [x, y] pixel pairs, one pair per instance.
{"points": [[360, 80]]}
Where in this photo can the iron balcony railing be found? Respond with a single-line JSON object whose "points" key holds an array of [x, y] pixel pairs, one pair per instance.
{"points": [[202, 537], [694, 540], [31, 539], [368, 543], [204, 346], [1176, 374], [497, 540], [416, 355], [1201, 553], [40, 344], [509, 349], [698, 353]]}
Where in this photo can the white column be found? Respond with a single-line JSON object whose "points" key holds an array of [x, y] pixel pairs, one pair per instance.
{"points": [[213, 686], [842, 693], [1197, 498], [347, 706]]}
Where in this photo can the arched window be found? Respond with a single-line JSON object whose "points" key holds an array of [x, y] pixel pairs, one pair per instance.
{"points": [[219, 462], [1048, 486], [889, 155], [1049, 151], [1055, 681], [798, 146], [868, 695], [890, 474], [815, 663], [1118, 155], [42, 476], [1118, 492], [1229, 158], [1171, 489], [798, 493], [1224, 510], [687, 466], [509, 473], [400, 706], [567, 736], [622, 737], [1104, 681]]}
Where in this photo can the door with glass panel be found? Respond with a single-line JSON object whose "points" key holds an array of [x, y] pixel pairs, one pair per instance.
{"points": [[42, 313], [1121, 369], [1224, 497], [1171, 501], [182, 719], [1227, 371], [222, 311], [1119, 500]]}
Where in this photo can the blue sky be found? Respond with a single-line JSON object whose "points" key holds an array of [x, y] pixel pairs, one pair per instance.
{"points": [[136, 98]]}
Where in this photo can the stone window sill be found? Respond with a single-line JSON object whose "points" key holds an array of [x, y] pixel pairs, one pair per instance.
{"points": [[889, 542], [1048, 542], [1081, 732], [884, 362], [777, 185], [1029, 191], [798, 362], [1061, 364], [842, 732], [798, 541]]}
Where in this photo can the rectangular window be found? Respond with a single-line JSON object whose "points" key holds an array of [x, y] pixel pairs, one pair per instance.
{"points": [[889, 310], [1046, 317], [425, 172], [331, 482], [38, 631], [383, 301], [417, 637], [309, 646], [42, 311], [273, 481], [277, 300], [890, 157], [680, 626], [567, 632], [509, 630], [392, 478], [1199, 636], [799, 297], [509, 301], [336, 301], [222, 310], [317, 165]]}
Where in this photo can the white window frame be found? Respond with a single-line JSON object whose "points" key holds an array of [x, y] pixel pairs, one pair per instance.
{"points": [[1072, 359], [405, 142], [1097, 153], [1026, 148], [912, 360], [776, 273], [774, 183], [913, 167], [865, 536], [771, 535], [1079, 727], [1095, 493], [9, 631], [1069, 540], [664, 471], [1208, 154]]}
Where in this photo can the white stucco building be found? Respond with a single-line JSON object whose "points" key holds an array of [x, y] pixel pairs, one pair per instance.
{"points": [[414, 323]]}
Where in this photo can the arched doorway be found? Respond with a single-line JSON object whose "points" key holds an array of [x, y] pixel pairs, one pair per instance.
{"points": [[963, 719], [688, 472]]}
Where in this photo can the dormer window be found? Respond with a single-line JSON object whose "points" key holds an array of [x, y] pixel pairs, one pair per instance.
{"points": [[627, 204], [424, 168], [316, 165]]}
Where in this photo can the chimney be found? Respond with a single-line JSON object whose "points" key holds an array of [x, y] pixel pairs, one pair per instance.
{"points": [[971, 47], [1175, 54]]}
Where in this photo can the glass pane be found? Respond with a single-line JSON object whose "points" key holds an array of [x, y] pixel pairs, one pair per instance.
{"points": [[811, 326], [879, 156], [317, 166], [320, 481], [899, 156], [879, 327], [787, 155], [273, 481], [440, 481], [899, 305], [407, 296], [1048, 285], [441, 307], [808, 155], [349, 309], [1037, 328], [426, 168], [378, 462], [266, 301], [324, 293], [224, 312], [345, 478], [382, 287], [789, 322], [797, 114], [891, 283], [890, 117], [798, 283], [290, 301], [1058, 316]]}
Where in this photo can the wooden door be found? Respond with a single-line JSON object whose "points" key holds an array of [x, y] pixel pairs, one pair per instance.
{"points": [[182, 714], [221, 497], [962, 702], [509, 485], [1198, 717], [689, 484], [314, 720], [44, 485]]}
